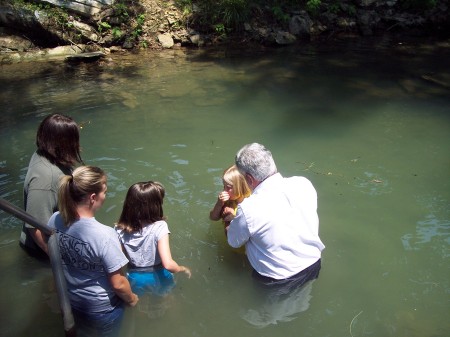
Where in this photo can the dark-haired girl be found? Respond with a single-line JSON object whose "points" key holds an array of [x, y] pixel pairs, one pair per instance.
{"points": [[144, 235]]}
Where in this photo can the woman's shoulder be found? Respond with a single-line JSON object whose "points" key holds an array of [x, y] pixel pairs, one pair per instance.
{"points": [[41, 167], [97, 227]]}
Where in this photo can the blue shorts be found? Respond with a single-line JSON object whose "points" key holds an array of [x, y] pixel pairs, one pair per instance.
{"points": [[99, 324], [158, 282]]}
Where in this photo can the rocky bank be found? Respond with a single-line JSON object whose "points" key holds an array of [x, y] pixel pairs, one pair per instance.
{"points": [[30, 32]]}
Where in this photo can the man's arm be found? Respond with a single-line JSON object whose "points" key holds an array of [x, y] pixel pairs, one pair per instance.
{"points": [[237, 232]]}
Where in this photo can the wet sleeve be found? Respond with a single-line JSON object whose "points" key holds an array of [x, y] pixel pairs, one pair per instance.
{"points": [[113, 257], [238, 233]]}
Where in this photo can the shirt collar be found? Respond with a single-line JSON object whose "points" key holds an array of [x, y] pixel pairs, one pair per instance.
{"points": [[268, 182]]}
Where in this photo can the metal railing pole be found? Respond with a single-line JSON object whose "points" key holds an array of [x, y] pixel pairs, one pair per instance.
{"points": [[55, 260]]}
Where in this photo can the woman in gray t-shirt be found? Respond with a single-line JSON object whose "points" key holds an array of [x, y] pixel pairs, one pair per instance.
{"points": [[92, 255], [57, 153]]}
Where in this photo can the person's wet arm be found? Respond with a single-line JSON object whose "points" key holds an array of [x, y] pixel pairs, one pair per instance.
{"points": [[122, 287], [237, 232], [166, 257]]}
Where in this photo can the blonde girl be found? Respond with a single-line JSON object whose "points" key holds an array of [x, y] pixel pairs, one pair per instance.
{"points": [[235, 190]]}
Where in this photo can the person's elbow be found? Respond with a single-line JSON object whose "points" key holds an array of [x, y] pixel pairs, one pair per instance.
{"points": [[118, 281], [232, 241], [119, 284], [170, 265], [213, 216]]}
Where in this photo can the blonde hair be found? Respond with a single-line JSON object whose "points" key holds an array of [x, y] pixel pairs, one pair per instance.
{"points": [[233, 177], [75, 188]]}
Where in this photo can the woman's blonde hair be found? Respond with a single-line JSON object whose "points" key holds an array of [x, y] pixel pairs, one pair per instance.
{"points": [[75, 188], [233, 177]]}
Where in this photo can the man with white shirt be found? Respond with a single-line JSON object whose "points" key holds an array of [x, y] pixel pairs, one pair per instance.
{"points": [[278, 223]]}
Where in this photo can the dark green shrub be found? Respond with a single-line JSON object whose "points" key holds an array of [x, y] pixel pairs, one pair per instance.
{"points": [[235, 13], [418, 5]]}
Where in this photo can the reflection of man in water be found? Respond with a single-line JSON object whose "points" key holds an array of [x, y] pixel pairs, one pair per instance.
{"points": [[280, 305], [277, 223]]}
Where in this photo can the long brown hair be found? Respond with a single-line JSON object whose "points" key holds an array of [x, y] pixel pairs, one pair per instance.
{"points": [[58, 140], [142, 206], [75, 188]]}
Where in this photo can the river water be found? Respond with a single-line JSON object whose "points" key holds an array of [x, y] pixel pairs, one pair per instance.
{"points": [[368, 124]]}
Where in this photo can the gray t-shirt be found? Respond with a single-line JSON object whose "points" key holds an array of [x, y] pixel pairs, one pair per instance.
{"points": [[90, 251], [142, 247], [40, 194]]}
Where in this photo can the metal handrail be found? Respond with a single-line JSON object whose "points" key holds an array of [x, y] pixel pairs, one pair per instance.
{"points": [[55, 260]]}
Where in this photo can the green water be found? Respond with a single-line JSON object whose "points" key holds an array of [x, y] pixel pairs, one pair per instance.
{"points": [[362, 123]]}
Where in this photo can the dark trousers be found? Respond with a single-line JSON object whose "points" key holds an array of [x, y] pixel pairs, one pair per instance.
{"points": [[288, 284]]}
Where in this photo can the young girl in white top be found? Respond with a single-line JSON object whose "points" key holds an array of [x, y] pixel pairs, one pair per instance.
{"points": [[144, 235]]}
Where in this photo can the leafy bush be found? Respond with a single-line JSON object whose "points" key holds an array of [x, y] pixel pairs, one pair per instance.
{"points": [[312, 6], [418, 5], [210, 14], [279, 14], [235, 13]]}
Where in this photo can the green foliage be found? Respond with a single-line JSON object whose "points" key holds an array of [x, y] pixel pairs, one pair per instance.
{"points": [[230, 13], [351, 10], [235, 13], [120, 9], [185, 6], [59, 16], [125, 25], [140, 20], [279, 14], [418, 5], [116, 33], [220, 29], [102, 25], [312, 6], [334, 8]]}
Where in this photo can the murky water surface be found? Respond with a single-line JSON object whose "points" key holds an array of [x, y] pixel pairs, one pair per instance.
{"points": [[369, 125]]}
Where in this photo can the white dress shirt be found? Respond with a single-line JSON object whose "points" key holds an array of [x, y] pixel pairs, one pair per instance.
{"points": [[279, 226]]}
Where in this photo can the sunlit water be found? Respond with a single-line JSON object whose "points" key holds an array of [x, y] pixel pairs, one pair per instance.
{"points": [[368, 125]]}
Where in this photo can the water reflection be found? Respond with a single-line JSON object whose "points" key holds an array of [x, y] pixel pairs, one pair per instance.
{"points": [[278, 306], [432, 228]]}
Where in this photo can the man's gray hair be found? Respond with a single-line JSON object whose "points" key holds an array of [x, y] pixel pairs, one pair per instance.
{"points": [[255, 160]]}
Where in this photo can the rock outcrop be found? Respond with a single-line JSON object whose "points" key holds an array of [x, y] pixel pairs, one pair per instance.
{"points": [[159, 24]]}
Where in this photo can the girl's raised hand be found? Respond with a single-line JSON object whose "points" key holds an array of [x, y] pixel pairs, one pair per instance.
{"points": [[224, 196]]}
